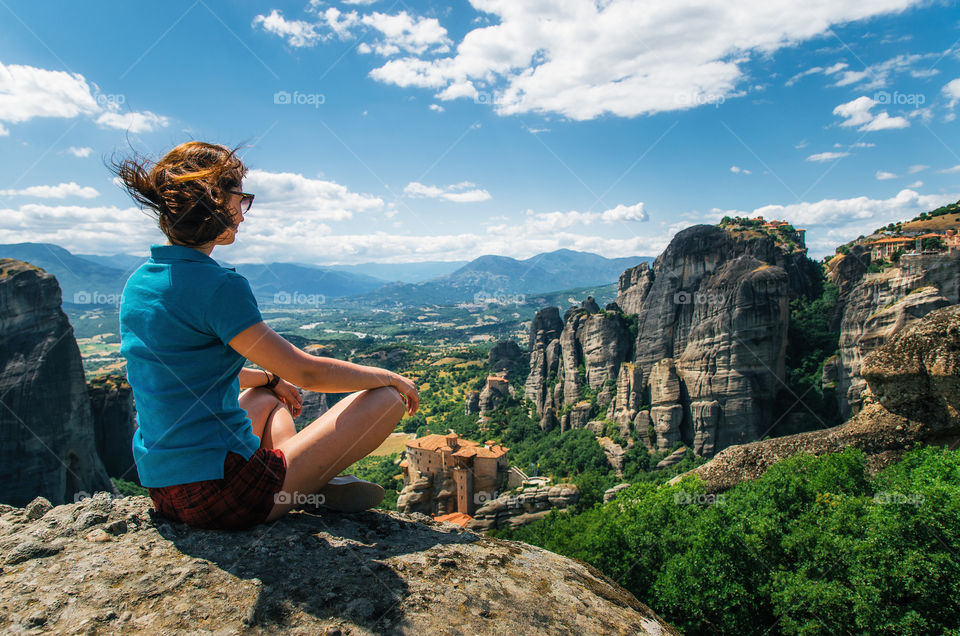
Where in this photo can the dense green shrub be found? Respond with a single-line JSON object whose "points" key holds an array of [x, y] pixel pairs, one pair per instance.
{"points": [[813, 546]]}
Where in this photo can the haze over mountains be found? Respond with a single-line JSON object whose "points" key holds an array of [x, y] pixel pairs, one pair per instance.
{"points": [[96, 279]]}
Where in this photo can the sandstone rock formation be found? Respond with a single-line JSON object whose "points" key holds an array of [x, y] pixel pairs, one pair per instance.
{"points": [[708, 356], [114, 423], [532, 503], [611, 493], [506, 356], [879, 305], [47, 441], [914, 384], [495, 391], [113, 566]]}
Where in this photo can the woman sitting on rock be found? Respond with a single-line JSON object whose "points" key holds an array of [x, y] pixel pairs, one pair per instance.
{"points": [[209, 455]]}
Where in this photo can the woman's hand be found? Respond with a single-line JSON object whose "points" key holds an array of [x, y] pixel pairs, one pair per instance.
{"points": [[290, 395], [408, 390]]}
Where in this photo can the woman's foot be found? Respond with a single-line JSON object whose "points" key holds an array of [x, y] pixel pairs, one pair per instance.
{"points": [[348, 493]]}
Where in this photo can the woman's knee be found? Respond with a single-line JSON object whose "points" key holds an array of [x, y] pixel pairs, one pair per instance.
{"points": [[391, 401]]}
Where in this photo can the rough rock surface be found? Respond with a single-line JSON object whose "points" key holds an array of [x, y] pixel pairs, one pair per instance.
{"points": [[506, 355], [879, 305], [914, 384], [545, 330], [611, 493], [114, 423], [112, 566], [632, 288], [47, 445], [532, 503], [714, 307], [628, 397], [494, 392]]}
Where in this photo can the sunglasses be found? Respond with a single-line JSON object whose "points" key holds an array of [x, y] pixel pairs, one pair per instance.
{"points": [[246, 200]]}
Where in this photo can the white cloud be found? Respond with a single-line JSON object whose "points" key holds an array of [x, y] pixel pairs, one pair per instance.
{"points": [[862, 144], [858, 113], [552, 222], [134, 122], [458, 193], [59, 191], [955, 169], [27, 92], [827, 156], [87, 230], [399, 32], [916, 184], [406, 33], [884, 176], [436, 108], [914, 169], [739, 170], [80, 152], [584, 59], [832, 222], [293, 201], [952, 91], [297, 32]]}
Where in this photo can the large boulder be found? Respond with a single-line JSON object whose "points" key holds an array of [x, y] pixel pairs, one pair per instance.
{"points": [[114, 566], [914, 384], [47, 439]]}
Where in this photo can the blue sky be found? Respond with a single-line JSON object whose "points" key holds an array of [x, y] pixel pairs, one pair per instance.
{"points": [[405, 131]]}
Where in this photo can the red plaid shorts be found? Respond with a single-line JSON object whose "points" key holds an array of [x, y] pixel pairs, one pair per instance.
{"points": [[241, 500]]}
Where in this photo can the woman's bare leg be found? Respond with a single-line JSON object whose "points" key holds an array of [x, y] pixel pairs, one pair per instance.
{"points": [[349, 431], [272, 422]]}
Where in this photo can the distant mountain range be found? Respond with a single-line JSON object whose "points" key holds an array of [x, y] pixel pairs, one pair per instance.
{"points": [[502, 277], [97, 279]]}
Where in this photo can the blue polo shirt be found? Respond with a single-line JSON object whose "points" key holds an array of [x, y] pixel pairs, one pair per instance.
{"points": [[178, 311]]}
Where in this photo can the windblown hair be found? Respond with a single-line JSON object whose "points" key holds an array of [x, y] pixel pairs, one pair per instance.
{"points": [[187, 190]]}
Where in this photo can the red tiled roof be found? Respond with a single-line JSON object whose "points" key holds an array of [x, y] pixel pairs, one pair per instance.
{"points": [[438, 442], [458, 518]]}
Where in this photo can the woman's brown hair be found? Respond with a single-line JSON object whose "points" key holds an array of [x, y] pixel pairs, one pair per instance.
{"points": [[187, 190]]}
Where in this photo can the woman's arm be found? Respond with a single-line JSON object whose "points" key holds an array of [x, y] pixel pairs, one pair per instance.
{"points": [[250, 378], [266, 348]]}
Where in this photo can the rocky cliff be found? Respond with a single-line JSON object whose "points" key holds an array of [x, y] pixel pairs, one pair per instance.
{"points": [[530, 504], [694, 347], [878, 305], [912, 395], [112, 566], [47, 440], [114, 423]]}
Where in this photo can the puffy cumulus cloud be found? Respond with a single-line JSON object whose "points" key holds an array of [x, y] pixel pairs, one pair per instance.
{"points": [[952, 91], [82, 153], [827, 156], [584, 59], [296, 32], [436, 108], [832, 222], [292, 200], [408, 34], [883, 176], [463, 192], [81, 229], [59, 191], [27, 92], [398, 33], [858, 112], [549, 222]]}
